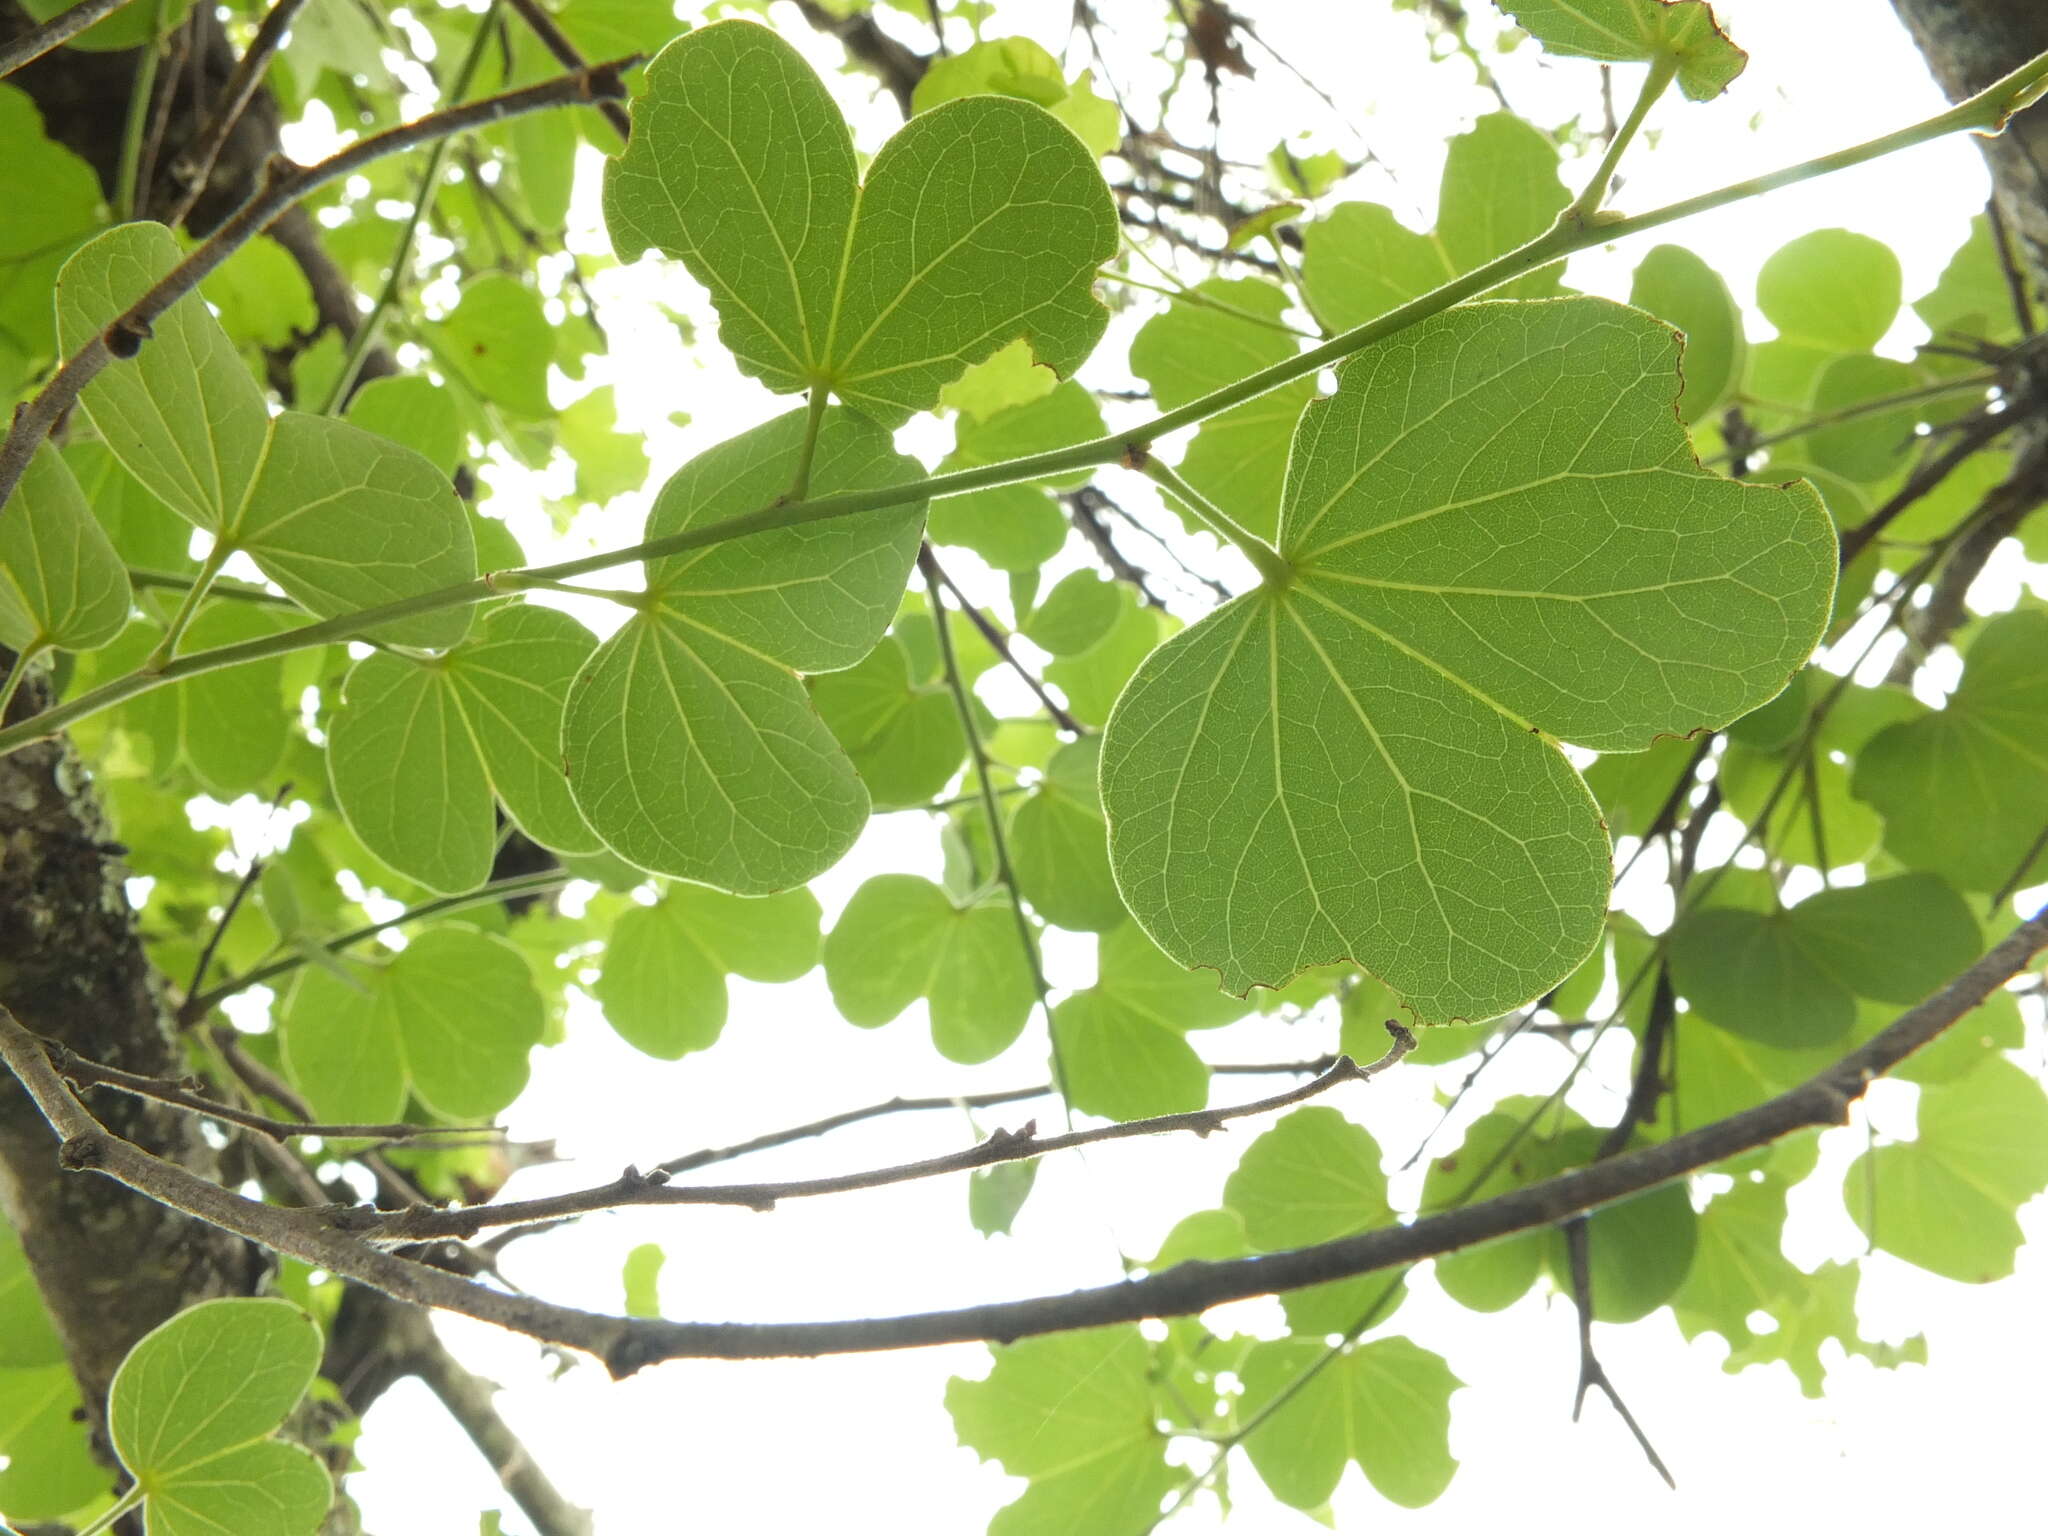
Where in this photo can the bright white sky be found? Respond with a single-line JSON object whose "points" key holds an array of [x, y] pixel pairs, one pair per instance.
{"points": [[865, 1442]]}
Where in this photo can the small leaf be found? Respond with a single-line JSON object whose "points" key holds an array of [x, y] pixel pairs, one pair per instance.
{"points": [[1076, 613], [1059, 847], [995, 1195], [1832, 289], [1637, 31], [905, 738], [1016, 66], [1385, 1405], [190, 1410], [61, 584], [663, 982], [884, 291], [411, 411], [901, 938], [497, 340], [642, 1278]]}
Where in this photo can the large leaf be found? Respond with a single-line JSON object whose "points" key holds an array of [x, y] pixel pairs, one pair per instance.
{"points": [[190, 1412], [981, 221], [663, 982], [1980, 763], [690, 745], [340, 518], [1385, 1405], [61, 584], [1489, 552], [452, 1017], [1073, 1413], [421, 752], [1638, 31]]}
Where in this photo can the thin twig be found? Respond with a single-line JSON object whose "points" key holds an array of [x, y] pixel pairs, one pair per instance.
{"points": [[1591, 1373], [556, 41], [194, 168], [999, 643], [54, 33]]}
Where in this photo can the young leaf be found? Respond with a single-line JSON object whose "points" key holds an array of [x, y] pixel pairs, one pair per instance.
{"points": [[1385, 1405], [1361, 765], [663, 982], [421, 751], [1016, 66], [1637, 31], [1073, 1413], [690, 745], [190, 1412], [1121, 1042], [901, 938], [883, 291], [61, 584]]}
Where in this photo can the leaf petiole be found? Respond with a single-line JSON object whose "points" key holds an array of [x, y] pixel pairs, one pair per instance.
{"points": [[1273, 568], [814, 418], [188, 605], [1663, 70]]}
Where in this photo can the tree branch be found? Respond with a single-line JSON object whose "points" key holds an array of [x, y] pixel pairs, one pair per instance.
{"points": [[54, 33], [556, 41], [999, 643], [194, 168]]}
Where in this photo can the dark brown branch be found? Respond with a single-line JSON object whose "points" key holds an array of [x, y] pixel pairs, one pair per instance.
{"points": [[556, 41], [54, 33], [1591, 1373], [627, 1345], [636, 1188], [283, 186], [1084, 510], [1978, 433], [1000, 644], [194, 169], [898, 68], [2003, 509]]}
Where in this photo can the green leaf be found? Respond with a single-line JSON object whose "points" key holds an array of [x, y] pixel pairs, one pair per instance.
{"points": [[1059, 847], [1979, 763], [126, 28], [1739, 1267], [1946, 1200], [61, 584], [1361, 765], [1005, 378], [1073, 1413], [340, 518], [413, 412], [1494, 1275], [1638, 1250], [995, 1195], [1677, 287], [663, 982], [1385, 1405], [1094, 679], [905, 738], [27, 1338], [883, 292], [1016, 66], [1973, 297], [228, 726], [262, 296], [642, 1280], [608, 462], [142, 529], [1833, 290], [497, 340], [191, 1409], [453, 1015], [1076, 613], [51, 1470], [1220, 331], [690, 745], [1016, 527], [1313, 1177], [1867, 448], [1637, 31], [1821, 1310], [1993, 1025], [1121, 1042], [53, 201], [421, 751], [901, 938]]}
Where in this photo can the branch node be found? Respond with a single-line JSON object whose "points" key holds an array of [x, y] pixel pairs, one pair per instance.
{"points": [[76, 1154], [125, 338]]}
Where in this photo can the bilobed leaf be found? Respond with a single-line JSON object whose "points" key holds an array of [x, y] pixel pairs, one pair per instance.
{"points": [[1385, 1405], [1865, 448], [421, 751], [1073, 1413], [341, 518], [191, 1409], [690, 745], [228, 726], [1947, 1200], [452, 1016], [61, 584], [902, 938], [905, 738], [1677, 287], [1979, 762], [663, 982], [883, 291], [1121, 1042], [1094, 679], [608, 461], [1638, 31], [1313, 1177], [1361, 764], [1497, 1145]]}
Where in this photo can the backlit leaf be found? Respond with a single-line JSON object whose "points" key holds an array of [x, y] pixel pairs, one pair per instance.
{"points": [[1638, 31], [61, 584]]}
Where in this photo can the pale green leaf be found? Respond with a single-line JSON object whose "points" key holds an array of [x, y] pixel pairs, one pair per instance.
{"points": [[1866, 448], [1094, 679], [1016, 66], [1361, 765], [1059, 847], [608, 461], [1385, 1405], [1076, 613], [1973, 297], [51, 1470], [905, 738], [1073, 1413], [1638, 1250], [995, 1195], [1638, 31], [262, 296], [690, 745], [902, 938], [497, 340], [1821, 1310], [1497, 1274], [1677, 287], [884, 292], [62, 586], [1832, 289], [53, 201], [642, 1279], [663, 982], [411, 411], [27, 1337]]}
